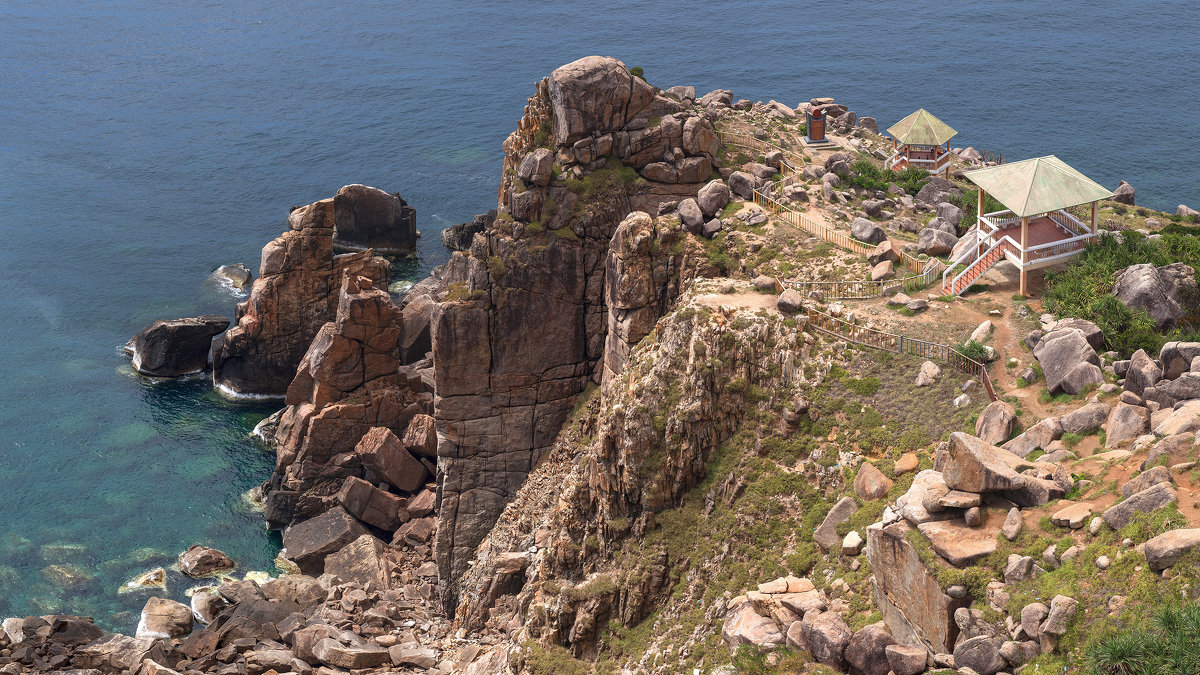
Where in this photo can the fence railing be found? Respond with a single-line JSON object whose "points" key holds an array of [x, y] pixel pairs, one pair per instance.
{"points": [[901, 344], [791, 163]]}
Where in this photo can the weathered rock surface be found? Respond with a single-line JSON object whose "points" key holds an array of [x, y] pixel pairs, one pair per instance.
{"points": [[175, 347], [866, 231], [973, 465], [459, 237], [1065, 356], [369, 218], [1153, 497], [870, 483], [1167, 548], [866, 652], [996, 422], [162, 618], [745, 626], [295, 295], [310, 541], [1161, 292], [826, 534], [908, 595], [827, 636], [199, 561]]}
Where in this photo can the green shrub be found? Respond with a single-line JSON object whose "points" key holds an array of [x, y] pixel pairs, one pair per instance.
{"points": [[972, 350], [637, 72]]}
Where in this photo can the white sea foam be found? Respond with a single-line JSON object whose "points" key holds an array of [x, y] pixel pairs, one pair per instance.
{"points": [[231, 393]]}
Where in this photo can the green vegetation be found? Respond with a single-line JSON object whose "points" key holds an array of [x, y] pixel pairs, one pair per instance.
{"points": [[972, 350], [637, 72], [968, 201], [870, 177], [1082, 289]]}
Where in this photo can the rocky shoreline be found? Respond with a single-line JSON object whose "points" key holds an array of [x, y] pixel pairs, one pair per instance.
{"points": [[462, 475]]}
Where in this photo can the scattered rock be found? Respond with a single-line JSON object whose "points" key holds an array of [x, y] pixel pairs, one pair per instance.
{"points": [[929, 374], [162, 618], [996, 422], [827, 636], [201, 561], [826, 535], [1168, 548], [1154, 497], [870, 483], [866, 231]]}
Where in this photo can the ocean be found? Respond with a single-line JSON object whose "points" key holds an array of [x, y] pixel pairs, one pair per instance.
{"points": [[144, 144]]}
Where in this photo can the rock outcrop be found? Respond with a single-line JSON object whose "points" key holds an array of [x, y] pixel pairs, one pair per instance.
{"points": [[175, 347], [296, 293], [500, 401], [369, 218]]}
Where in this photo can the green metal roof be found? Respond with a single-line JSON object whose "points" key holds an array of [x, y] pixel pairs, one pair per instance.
{"points": [[921, 128], [1037, 185]]}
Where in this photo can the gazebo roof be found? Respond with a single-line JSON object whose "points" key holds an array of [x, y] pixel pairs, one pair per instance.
{"points": [[1037, 185], [921, 128]]}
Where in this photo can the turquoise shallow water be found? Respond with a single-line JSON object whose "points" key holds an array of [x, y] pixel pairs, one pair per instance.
{"points": [[144, 144]]}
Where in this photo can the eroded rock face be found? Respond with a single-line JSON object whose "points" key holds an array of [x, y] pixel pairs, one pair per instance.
{"points": [[366, 217], [914, 607], [349, 382], [500, 400], [296, 293]]}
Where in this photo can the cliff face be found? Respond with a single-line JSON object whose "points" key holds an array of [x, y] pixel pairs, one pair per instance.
{"points": [[296, 293], [523, 325]]}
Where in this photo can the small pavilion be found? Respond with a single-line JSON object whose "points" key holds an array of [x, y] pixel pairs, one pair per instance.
{"points": [[1049, 216], [920, 140]]}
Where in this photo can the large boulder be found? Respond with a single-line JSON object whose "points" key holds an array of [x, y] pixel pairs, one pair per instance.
{"points": [[867, 651], [935, 242], [369, 504], [308, 543], [236, 275], [936, 191], [1064, 355], [1146, 479], [914, 605], [162, 618], [870, 483], [1125, 423], [742, 184], [459, 237], [949, 213], [536, 167], [384, 454], [1167, 548], [691, 215], [175, 347], [713, 197], [363, 562], [906, 660], [595, 95], [1086, 419], [826, 535], [972, 465], [996, 422], [1176, 358], [744, 626], [981, 654], [1123, 194], [1161, 292], [1150, 499], [366, 217], [866, 231], [827, 636], [1036, 437], [1141, 373]]}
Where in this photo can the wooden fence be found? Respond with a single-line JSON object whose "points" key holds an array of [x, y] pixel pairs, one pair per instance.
{"points": [[900, 344]]}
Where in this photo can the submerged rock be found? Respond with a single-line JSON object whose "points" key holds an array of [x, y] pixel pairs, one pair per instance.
{"points": [[236, 275]]}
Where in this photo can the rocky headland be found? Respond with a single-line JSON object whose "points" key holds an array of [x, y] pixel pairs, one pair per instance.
{"points": [[631, 425]]}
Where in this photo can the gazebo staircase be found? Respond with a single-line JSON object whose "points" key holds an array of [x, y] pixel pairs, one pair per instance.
{"points": [[974, 269]]}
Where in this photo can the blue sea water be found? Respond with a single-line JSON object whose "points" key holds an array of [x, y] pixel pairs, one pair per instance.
{"points": [[143, 144]]}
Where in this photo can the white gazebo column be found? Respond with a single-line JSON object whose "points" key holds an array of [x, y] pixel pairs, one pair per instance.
{"points": [[1024, 245]]}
